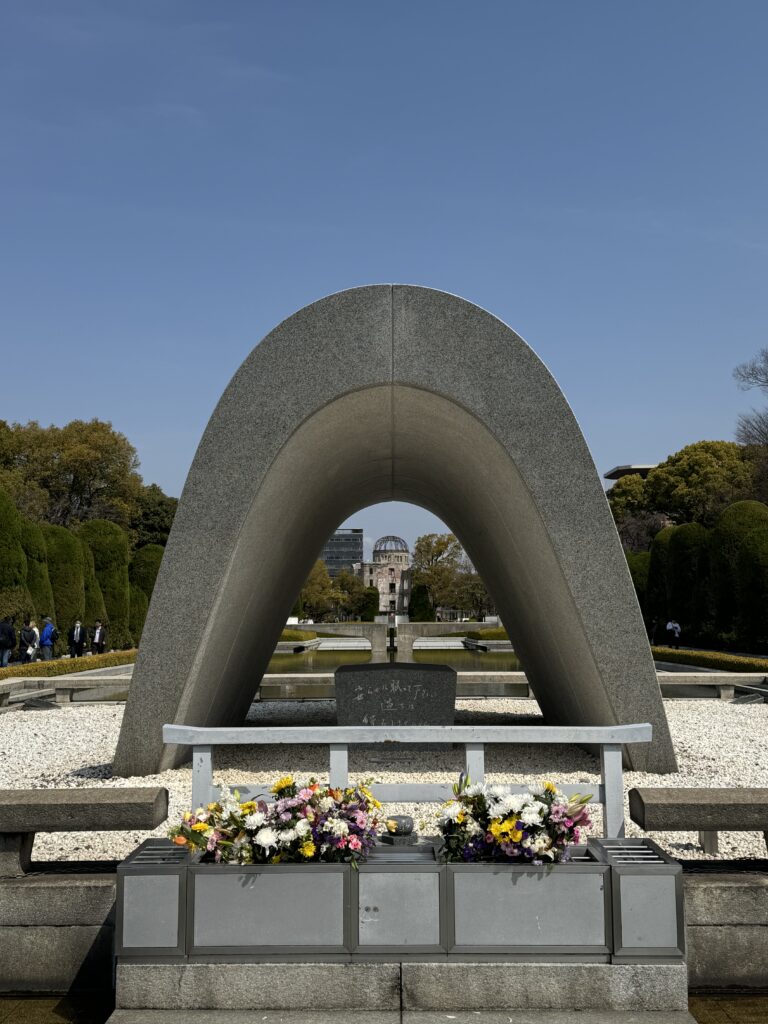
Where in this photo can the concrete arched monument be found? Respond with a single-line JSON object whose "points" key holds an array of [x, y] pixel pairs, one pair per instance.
{"points": [[374, 394]]}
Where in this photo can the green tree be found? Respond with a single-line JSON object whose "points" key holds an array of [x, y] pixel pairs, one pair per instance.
{"points": [[352, 593], [38, 580], [319, 595], [636, 523], [370, 607], [697, 483], [420, 607], [437, 559], [84, 470], [731, 530], [639, 563], [94, 599], [628, 497], [15, 599], [688, 581], [470, 593], [110, 548], [139, 606], [657, 592], [752, 591], [144, 567], [65, 570], [153, 517]]}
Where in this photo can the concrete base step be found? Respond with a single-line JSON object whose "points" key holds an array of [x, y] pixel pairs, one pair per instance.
{"points": [[413, 986], [401, 1017]]}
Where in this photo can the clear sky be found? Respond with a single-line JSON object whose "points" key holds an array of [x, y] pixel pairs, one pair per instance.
{"points": [[177, 176]]}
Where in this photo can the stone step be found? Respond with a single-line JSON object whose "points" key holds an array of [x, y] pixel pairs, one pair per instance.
{"points": [[404, 1017], [414, 986]]}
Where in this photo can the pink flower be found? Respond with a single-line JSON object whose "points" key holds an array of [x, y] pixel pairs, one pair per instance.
{"points": [[361, 819], [354, 843], [306, 794]]}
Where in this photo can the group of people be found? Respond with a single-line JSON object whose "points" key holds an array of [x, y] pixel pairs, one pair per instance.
{"points": [[34, 643]]}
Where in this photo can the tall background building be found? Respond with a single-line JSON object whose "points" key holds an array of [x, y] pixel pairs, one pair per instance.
{"points": [[390, 573], [343, 550]]}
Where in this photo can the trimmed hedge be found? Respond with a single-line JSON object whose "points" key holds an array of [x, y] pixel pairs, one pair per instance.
{"points": [[138, 612], [94, 599], [732, 528], [639, 564], [657, 589], [491, 633], [65, 666], [110, 548], [752, 591], [15, 599], [711, 659], [688, 583], [297, 635], [38, 580], [144, 567], [65, 569]]}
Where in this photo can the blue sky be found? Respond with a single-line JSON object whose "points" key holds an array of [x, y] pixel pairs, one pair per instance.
{"points": [[178, 176]]}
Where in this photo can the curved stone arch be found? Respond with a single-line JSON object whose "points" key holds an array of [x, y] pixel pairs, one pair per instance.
{"points": [[391, 393]]}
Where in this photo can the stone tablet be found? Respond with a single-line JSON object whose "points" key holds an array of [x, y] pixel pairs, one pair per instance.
{"points": [[395, 694]]}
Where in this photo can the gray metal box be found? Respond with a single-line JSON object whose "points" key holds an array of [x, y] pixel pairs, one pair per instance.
{"points": [[562, 910], [151, 900], [398, 906], [267, 908], [647, 897]]}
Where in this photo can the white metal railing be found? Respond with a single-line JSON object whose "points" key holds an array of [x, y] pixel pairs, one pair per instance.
{"points": [[610, 739]]}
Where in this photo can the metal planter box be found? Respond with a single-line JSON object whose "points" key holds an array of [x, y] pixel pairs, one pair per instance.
{"points": [[615, 901]]}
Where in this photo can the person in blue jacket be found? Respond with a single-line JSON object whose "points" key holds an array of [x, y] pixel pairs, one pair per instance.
{"points": [[48, 638]]}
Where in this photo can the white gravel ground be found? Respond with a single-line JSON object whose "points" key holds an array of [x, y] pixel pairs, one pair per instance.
{"points": [[718, 744]]}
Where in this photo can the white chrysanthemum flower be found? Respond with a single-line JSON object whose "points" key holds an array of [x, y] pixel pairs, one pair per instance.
{"points": [[303, 827], [531, 815], [496, 792], [255, 820], [475, 789], [326, 803], [266, 837], [286, 836], [451, 811], [336, 826]]}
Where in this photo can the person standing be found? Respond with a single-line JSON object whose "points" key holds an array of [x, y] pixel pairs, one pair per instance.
{"points": [[7, 640], [28, 637], [673, 634], [76, 639], [48, 638], [99, 638]]}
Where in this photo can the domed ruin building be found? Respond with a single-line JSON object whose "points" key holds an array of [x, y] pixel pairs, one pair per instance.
{"points": [[390, 573]]}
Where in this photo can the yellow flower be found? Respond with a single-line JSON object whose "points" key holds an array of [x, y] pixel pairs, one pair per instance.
{"points": [[201, 826], [276, 859], [248, 807], [495, 828], [211, 807], [284, 783], [515, 835], [188, 815], [549, 787], [307, 849], [460, 817]]}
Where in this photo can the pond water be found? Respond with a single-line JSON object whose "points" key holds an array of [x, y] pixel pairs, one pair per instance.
{"points": [[329, 661]]}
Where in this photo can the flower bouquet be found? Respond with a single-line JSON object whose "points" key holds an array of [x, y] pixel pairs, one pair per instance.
{"points": [[306, 822], [488, 823]]}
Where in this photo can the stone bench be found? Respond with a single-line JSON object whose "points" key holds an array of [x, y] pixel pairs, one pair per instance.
{"points": [[702, 810], [23, 812]]}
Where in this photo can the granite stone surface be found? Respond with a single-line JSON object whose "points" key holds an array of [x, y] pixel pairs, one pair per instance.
{"points": [[49, 959], [82, 810], [391, 393], [249, 986], [659, 809], [395, 695], [57, 900], [496, 986], [395, 1017]]}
